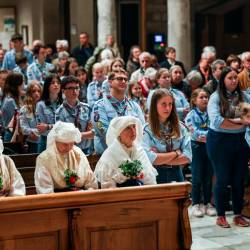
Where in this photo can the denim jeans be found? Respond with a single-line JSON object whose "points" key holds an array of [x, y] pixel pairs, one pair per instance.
{"points": [[202, 173], [229, 157]]}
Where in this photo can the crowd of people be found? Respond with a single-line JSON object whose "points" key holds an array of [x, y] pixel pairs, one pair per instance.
{"points": [[145, 119]]}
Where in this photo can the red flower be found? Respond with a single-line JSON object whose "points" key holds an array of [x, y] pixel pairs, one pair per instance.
{"points": [[141, 176], [72, 179]]}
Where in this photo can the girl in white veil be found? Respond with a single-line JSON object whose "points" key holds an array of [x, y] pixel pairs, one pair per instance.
{"points": [[123, 139], [63, 166]]}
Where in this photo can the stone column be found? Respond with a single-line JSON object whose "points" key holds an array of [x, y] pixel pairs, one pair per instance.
{"points": [[179, 30], [106, 20]]}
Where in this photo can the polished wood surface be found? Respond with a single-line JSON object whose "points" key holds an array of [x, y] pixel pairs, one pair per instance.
{"points": [[139, 218]]}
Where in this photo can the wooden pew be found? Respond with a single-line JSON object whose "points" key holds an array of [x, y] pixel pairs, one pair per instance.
{"points": [[137, 218], [26, 163]]}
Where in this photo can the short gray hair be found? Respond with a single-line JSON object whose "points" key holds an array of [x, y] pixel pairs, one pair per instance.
{"points": [[244, 55], [175, 67], [216, 63], [206, 54], [144, 54], [209, 49], [194, 75]]}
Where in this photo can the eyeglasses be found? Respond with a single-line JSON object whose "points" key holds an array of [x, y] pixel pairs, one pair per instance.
{"points": [[72, 88], [120, 78]]}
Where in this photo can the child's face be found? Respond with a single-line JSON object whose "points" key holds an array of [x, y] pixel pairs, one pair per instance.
{"points": [[165, 80], [98, 74], [117, 65], [36, 94], [201, 100], [82, 77], [136, 90]]}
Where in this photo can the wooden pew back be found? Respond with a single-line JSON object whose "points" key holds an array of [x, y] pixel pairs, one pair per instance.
{"points": [[141, 218]]}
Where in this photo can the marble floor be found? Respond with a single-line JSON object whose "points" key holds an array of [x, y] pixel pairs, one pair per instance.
{"points": [[206, 235]]}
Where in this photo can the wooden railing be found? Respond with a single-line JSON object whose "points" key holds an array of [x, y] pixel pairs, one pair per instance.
{"points": [[141, 218]]}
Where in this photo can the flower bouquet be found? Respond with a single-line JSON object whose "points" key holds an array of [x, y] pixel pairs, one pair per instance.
{"points": [[70, 178], [132, 170], [2, 191]]}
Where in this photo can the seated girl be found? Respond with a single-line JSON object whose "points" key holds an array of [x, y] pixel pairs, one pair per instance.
{"points": [[124, 162], [63, 166], [11, 182]]}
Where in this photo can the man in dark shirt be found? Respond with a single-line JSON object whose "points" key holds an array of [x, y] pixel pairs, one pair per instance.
{"points": [[170, 61], [83, 51]]}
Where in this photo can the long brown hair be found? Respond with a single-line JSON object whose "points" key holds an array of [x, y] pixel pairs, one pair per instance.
{"points": [[224, 104], [154, 121], [28, 101]]}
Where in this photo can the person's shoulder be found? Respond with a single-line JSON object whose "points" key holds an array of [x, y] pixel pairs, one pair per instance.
{"points": [[7, 159], [31, 66], [60, 108], [190, 114], [146, 127], [43, 156], [84, 105], [242, 73], [99, 105], [8, 100], [40, 103], [24, 109], [183, 127], [246, 95], [214, 96], [9, 53], [26, 51], [79, 151], [91, 84]]}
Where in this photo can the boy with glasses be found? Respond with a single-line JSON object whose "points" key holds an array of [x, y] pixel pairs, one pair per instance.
{"points": [[76, 112], [113, 105]]}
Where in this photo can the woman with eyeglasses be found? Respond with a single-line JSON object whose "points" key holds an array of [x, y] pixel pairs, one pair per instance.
{"points": [[46, 108], [166, 140], [76, 112]]}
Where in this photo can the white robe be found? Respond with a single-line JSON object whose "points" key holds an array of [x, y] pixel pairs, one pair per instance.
{"points": [[12, 180], [107, 169], [50, 167]]}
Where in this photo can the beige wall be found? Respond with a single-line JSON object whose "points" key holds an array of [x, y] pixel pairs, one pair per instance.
{"points": [[82, 17]]}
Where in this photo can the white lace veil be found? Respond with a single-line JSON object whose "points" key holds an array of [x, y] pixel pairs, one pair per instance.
{"points": [[118, 124], [63, 132]]}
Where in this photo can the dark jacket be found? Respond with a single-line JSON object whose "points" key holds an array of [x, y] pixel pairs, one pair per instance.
{"points": [[82, 54], [167, 65]]}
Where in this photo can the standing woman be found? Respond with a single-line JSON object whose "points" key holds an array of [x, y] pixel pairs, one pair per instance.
{"points": [[28, 121], [45, 109], [226, 146], [166, 140], [13, 90]]}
